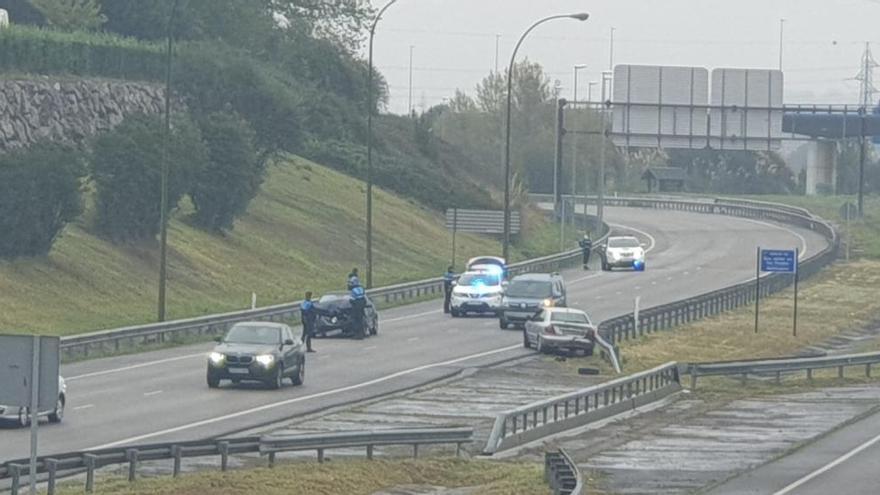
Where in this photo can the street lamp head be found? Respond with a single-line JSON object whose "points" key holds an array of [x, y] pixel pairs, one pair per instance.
{"points": [[583, 16], [580, 66]]}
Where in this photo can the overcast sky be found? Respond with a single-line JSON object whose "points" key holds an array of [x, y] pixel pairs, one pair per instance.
{"points": [[454, 41]]}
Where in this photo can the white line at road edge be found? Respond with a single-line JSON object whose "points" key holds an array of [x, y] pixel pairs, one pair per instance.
{"points": [[649, 236], [302, 399], [803, 239], [840, 460], [135, 366]]}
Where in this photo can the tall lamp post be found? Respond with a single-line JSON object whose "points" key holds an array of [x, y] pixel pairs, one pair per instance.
{"points": [[163, 202], [574, 152], [370, 109], [579, 17]]}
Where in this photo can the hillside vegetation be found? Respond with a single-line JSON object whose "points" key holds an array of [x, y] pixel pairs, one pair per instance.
{"points": [[304, 231]]}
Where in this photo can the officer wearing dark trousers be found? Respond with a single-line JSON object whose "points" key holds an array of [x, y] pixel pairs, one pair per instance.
{"points": [[586, 245], [309, 313], [448, 280], [358, 307]]}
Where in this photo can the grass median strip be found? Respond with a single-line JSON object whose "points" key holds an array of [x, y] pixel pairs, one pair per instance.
{"points": [[359, 477]]}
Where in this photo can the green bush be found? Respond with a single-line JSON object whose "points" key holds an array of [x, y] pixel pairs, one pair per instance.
{"points": [[233, 175], [126, 167], [39, 195]]}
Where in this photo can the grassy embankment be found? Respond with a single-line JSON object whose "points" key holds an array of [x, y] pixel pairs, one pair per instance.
{"points": [[348, 477], [303, 232], [843, 297]]}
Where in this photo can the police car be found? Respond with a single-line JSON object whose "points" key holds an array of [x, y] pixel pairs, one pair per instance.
{"points": [[477, 292], [623, 252]]}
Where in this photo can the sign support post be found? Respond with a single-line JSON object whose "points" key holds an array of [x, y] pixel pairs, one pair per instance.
{"points": [[34, 413], [797, 275], [757, 287], [636, 304], [454, 232]]}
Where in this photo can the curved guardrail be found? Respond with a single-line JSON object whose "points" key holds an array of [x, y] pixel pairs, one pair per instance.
{"points": [[562, 474], [52, 467], [540, 419], [779, 366]]}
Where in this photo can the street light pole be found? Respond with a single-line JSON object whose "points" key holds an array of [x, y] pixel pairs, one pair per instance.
{"points": [[574, 150], [370, 109], [600, 200], [410, 107], [579, 17], [163, 201], [781, 40]]}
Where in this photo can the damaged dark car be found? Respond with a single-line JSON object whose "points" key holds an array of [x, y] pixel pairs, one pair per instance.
{"points": [[334, 317]]}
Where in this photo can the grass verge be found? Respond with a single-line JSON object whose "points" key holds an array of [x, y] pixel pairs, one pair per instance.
{"points": [[348, 477], [303, 232]]}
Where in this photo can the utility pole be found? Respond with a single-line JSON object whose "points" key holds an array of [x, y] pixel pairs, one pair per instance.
{"points": [[497, 50], [781, 40], [410, 107], [600, 207], [611, 55], [866, 101], [574, 151]]}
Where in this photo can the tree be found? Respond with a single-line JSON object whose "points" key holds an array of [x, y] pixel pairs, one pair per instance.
{"points": [[233, 175], [71, 15], [344, 22], [39, 196], [126, 168]]}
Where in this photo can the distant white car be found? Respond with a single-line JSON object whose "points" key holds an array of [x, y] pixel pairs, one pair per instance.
{"points": [[21, 415], [477, 292], [623, 252]]}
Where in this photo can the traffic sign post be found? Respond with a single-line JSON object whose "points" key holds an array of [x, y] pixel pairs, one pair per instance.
{"points": [[777, 261]]}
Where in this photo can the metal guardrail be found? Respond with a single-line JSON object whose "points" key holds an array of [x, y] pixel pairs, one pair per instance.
{"points": [[84, 345], [562, 474], [779, 366], [50, 468], [540, 419]]}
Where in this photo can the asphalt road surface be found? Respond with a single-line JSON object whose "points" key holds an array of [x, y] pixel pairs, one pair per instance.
{"points": [[162, 396], [844, 462]]}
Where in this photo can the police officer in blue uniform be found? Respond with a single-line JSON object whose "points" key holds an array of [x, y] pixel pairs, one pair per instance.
{"points": [[358, 306], [448, 281], [309, 314], [586, 245], [353, 280]]}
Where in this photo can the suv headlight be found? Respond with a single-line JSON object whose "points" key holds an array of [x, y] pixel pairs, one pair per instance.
{"points": [[216, 358], [547, 303], [266, 360]]}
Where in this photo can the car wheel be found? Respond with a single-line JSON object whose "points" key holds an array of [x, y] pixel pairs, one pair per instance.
{"points": [[58, 414], [300, 376], [236, 381], [213, 381], [455, 313], [278, 380], [503, 323], [375, 329], [526, 343], [540, 346]]}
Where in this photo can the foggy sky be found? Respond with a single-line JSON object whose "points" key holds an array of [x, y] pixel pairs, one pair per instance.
{"points": [[454, 41]]}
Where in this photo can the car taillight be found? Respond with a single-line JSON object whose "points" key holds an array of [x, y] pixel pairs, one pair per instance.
{"points": [[550, 330]]}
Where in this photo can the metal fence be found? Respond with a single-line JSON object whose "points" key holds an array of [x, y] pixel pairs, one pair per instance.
{"points": [[50, 468], [780, 366], [562, 474], [548, 417]]}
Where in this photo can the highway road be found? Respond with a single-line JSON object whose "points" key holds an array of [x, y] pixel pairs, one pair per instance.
{"points": [[162, 396], [844, 461]]}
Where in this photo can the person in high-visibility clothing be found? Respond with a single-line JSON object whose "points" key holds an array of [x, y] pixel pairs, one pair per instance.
{"points": [[358, 307], [309, 314], [448, 282], [586, 245]]}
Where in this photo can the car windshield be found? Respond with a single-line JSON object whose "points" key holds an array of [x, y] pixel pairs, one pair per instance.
{"points": [[247, 334], [477, 279], [624, 242], [529, 289], [560, 317]]}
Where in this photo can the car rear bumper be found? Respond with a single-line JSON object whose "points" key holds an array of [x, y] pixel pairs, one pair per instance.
{"points": [[517, 315], [566, 342]]}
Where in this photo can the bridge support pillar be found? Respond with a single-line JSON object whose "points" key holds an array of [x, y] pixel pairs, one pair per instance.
{"points": [[822, 167]]}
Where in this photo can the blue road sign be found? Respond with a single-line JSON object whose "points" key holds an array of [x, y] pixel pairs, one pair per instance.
{"points": [[779, 261]]}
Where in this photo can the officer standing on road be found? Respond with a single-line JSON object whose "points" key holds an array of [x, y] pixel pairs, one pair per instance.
{"points": [[309, 313], [353, 280], [358, 306], [586, 245], [448, 281]]}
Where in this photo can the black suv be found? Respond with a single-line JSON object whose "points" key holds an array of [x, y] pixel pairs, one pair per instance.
{"points": [[526, 294], [258, 351]]}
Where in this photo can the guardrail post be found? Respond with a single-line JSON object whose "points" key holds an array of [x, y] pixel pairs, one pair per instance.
{"points": [[320, 456], [458, 449], [90, 460], [15, 472], [271, 459], [132, 456], [52, 469], [840, 372], [810, 374], [415, 451], [369, 452], [223, 447], [868, 370], [177, 454], [694, 379], [778, 377]]}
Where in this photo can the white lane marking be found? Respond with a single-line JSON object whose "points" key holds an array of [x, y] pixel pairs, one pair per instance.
{"points": [[588, 277], [687, 273], [154, 392], [831, 465], [803, 239], [134, 367], [598, 297], [370, 348], [410, 317], [413, 339], [638, 287], [668, 278], [649, 236], [288, 402], [619, 293], [653, 282], [86, 406]]}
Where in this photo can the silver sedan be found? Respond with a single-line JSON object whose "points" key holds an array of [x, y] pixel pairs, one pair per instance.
{"points": [[560, 328]]}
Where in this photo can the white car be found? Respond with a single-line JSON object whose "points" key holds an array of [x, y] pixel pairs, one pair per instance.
{"points": [[623, 252], [477, 292], [560, 328], [21, 416]]}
